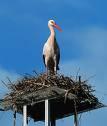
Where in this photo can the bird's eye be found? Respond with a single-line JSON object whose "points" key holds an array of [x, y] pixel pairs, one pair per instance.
{"points": [[52, 22]]}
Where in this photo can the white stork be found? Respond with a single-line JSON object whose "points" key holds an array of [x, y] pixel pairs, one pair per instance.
{"points": [[51, 51]]}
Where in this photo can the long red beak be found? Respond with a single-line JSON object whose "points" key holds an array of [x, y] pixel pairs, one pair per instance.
{"points": [[56, 26]]}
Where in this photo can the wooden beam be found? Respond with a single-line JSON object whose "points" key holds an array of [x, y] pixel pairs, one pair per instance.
{"points": [[25, 115], [47, 112]]}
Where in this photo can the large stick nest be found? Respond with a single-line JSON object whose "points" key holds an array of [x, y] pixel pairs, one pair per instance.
{"points": [[33, 83]]}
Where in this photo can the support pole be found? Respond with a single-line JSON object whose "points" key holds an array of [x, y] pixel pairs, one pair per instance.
{"points": [[47, 113], [14, 121], [24, 115], [75, 115], [75, 120], [53, 122], [14, 114]]}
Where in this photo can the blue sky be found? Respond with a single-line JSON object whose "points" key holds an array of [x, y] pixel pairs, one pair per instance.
{"points": [[83, 42]]}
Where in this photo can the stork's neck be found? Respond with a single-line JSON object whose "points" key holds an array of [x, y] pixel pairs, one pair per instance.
{"points": [[52, 32]]}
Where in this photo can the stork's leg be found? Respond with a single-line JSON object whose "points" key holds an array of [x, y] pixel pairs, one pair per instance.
{"points": [[55, 70], [55, 65], [47, 66], [47, 71]]}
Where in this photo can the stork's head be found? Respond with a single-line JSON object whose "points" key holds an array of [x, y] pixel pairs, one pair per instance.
{"points": [[52, 23]]}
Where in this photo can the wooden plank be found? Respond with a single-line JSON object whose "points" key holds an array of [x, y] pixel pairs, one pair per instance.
{"points": [[40, 96]]}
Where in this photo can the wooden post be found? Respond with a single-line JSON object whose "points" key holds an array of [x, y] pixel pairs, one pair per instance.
{"points": [[14, 114], [27, 121], [14, 121], [75, 115], [25, 115], [53, 122], [47, 113], [75, 120]]}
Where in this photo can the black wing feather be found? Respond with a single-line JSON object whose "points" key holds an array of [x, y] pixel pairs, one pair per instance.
{"points": [[44, 59]]}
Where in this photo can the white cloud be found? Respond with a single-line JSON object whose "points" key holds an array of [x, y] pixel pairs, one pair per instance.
{"points": [[92, 41]]}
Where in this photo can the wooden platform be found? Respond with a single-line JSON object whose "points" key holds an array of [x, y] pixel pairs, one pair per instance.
{"points": [[63, 96], [61, 104], [59, 109]]}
